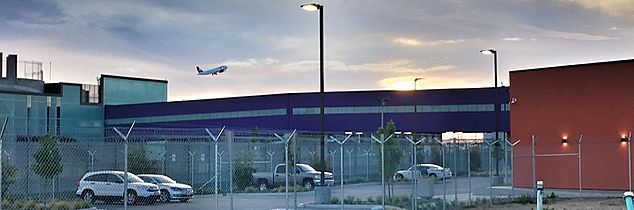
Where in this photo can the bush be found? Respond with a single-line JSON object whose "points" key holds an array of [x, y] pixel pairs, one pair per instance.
{"points": [[81, 204], [8, 172], [31, 204], [348, 200], [334, 200], [208, 191], [60, 205], [525, 199], [250, 189], [243, 173], [371, 200], [140, 163]]}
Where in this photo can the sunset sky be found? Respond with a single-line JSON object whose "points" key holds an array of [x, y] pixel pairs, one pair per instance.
{"points": [[273, 46]]}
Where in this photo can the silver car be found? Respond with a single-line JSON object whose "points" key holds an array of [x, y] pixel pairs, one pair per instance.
{"points": [[170, 189]]}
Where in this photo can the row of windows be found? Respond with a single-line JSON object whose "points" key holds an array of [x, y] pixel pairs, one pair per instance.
{"points": [[312, 111], [201, 116], [401, 109]]}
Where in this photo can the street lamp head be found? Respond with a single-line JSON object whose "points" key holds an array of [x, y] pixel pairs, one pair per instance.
{"points": [[311, 7], [488, 51]]}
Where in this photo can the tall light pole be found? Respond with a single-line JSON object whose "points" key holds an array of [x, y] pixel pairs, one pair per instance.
{"points": [[383, 101], [311, 7], [415, 82], [496, 106]]}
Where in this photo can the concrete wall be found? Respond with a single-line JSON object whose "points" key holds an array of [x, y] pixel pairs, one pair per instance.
{"points": [[595, 100]]}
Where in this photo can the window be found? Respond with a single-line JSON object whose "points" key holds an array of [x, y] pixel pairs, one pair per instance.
{"points": [[96, 178], [281, 169], [147, 179], [113, 178]]}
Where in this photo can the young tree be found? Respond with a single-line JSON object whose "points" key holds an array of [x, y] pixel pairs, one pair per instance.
{"points": [[140, 163], [48, 160], [243, 172], [392, 149], [8, 172]]}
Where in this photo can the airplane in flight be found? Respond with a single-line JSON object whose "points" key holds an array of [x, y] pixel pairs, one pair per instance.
{"points": [[214, 71]]}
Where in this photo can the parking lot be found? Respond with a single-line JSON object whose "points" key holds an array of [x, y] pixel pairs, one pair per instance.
{"points": [[277, 200]]}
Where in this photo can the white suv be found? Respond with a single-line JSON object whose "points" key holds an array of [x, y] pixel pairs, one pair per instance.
{"points": [[108, 186], [170, 189]]}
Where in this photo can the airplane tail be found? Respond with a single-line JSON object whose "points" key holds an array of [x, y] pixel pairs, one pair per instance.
{"points": [[198, 69]]}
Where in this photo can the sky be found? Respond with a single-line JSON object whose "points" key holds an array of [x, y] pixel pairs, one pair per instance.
{"points": [[273, 46]]}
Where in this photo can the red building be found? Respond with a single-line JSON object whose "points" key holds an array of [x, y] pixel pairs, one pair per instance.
{"points": [[595, 100]]}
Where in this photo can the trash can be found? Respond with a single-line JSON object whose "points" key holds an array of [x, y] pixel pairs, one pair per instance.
{"points": [[425, 187]]}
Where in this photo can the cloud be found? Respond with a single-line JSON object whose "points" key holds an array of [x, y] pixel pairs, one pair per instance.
{"points": [[395, 66], [418, 43], [623, 8], [614, 29], [569, 35], [513, 39], [249, 62], [406, 41]]}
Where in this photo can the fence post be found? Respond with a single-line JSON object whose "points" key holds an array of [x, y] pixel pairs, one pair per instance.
{"points": [[416, 173], [215, 139], [382, 143], [229, 137], [4, 127], [285, 141], [512, 170], [341, 163], [444, 185], [125, 161], [468, 170]]}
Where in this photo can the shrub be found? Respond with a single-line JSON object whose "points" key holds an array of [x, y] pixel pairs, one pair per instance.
{"points": [[349, 200], [81, 204], [334, 200], [250, 189], [525, 199], [244, 169], [8, 172], [60, 205], [371, 200]]}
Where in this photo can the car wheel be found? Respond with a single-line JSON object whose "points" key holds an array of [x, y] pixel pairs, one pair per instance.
{"points": [[434, 176], [184, 200], [262, 185], [308, 184], [399, 177], [88, 196], [132, 197], [165, 196]]}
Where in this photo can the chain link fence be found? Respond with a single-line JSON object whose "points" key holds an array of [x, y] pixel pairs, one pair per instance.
{"points": [[227, 161]]}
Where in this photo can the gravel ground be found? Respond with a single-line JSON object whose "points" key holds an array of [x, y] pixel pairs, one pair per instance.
{"points": [[568, 203]]}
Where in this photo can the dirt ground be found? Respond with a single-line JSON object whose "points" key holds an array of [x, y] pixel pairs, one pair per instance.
{"points": [[568, 204]]}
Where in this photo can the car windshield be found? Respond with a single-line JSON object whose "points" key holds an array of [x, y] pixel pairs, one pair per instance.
{"points": [[306, 168], [164, 179], [133, 178]]}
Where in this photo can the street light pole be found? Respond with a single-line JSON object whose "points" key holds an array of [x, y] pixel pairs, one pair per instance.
{"points": [[382, 100], [496, 106], [415, 82], [314, 7]]}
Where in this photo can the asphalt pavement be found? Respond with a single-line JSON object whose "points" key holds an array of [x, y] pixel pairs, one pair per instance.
{"points": [[265, 201]]}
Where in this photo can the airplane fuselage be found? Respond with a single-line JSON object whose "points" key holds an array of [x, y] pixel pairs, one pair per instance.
{"points": [[214, 71]]}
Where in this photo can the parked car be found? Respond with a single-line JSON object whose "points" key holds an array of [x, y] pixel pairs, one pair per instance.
{"points": [[170, 189], [425, 170], [304, 174], [108, 186]]}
